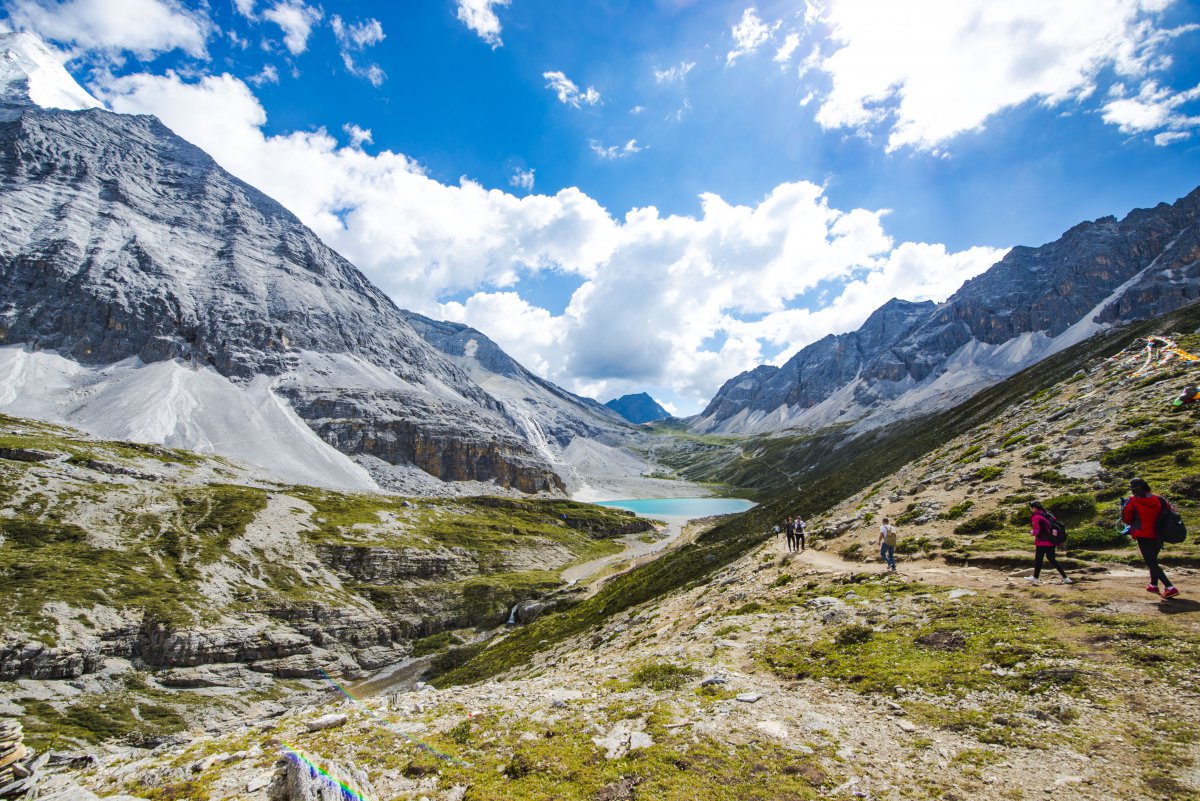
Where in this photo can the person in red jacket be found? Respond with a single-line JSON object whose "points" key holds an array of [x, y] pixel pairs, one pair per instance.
{"points": [[1141, 513], [1039, 522]]}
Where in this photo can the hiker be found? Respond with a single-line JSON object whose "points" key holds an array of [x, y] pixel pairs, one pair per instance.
{"points": [[800, 532], [887, 545], [789, 528], [1042, 530], [1141, 512]]}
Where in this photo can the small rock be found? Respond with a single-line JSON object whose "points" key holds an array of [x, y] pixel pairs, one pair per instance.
{"points": [[906, 726], [954, 594], [327, 722], [258, 783], [749, 698]]}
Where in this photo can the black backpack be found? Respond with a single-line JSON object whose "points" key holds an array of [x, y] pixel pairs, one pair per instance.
{"points": [[1169, 527], [1058, 532]]}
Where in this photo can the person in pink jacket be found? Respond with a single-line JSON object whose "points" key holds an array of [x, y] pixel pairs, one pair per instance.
{"points": [[1039, 522], [1141, 512]]}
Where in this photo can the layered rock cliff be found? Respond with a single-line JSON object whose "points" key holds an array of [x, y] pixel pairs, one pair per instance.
{"points": [[915, 357]]}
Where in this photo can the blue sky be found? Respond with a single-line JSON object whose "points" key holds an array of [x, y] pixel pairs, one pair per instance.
{"points": [[654, 196]]}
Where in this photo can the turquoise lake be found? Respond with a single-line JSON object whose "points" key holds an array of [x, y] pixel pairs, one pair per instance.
{"points": [[682, 507]]}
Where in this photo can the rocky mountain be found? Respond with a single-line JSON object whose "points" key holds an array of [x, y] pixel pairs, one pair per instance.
{"points": [[147, 294], [909, 358], [639, 408]]}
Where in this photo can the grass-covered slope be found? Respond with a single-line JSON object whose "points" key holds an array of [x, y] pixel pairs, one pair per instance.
{"points": [[96, 535], [808, 476]]}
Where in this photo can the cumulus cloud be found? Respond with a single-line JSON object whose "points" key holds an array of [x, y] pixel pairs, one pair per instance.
{"points": [[143, 27], [296, 20], [480, 16], [615, 151], [358, 136], [654, 291], [522, 179], [268, 74], [1154, 108], [568, 92], [790, 44], [749, 34], [354, 38], [417, 238], [928, 72]]}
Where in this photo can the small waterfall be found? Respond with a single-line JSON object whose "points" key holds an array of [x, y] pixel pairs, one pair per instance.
{"points": [[512, 616]]}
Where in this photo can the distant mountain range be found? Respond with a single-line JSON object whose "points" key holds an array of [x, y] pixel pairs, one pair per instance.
{"points": [[639, 408], [910, 358], [146, 294]]}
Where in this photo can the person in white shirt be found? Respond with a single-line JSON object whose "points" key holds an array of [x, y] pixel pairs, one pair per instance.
{"points": [[887, 544]]}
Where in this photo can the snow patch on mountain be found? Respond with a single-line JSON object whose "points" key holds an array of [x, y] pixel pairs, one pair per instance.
{"points": [[29, 72], [177, 405]]}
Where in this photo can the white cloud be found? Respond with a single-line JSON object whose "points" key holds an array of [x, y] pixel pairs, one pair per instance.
{"points": [[268, 75], [654, 290], [676, 73], [522, 179], [358, 136], [355, 38], [1155, 108], [480, 16], [245, 7], [749, 34], [296, 20], [568, 92], [144, 27], [927, 72], [615, 151], [790, 44], [415, 237], [1164, 139]]}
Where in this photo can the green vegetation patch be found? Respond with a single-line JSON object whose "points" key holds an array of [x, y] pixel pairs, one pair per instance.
{"points": [[1143, 448], [663, 676], [981, 643], [989, 521]]}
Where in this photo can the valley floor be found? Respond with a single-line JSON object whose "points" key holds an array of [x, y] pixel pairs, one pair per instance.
{"points": [[785, 677]]}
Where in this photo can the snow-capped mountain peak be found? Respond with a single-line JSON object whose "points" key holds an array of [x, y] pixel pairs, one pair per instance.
{"points": [[31, 74]]}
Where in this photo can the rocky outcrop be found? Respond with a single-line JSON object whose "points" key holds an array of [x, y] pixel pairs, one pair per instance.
{"points": [[401, 430], [1098, 273], [35, 660]]}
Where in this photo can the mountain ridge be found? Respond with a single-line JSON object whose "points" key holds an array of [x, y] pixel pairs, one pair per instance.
{"points": [[1030, 304]]}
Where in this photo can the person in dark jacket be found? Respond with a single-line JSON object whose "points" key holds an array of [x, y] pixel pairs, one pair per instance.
{"points": [[1141, 512], [1039, 522]]}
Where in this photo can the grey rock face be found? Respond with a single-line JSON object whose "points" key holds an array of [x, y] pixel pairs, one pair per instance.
{"points": [[119, 239], [1106, 271], [639, 408]]}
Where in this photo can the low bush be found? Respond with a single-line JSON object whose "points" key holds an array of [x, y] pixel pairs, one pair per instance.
{"points": [[1143, 448], [989, 521]]}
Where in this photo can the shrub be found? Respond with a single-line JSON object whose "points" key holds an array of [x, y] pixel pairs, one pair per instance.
{"points": [[1072, 509], [663, 676], [988, 473], [1187, 487], [853, 551], [957, 510], [849, 635], [913, 544], [1096, 537], [909, 514], [969, 455], [1143, 448], [1050, 476], [989, 521]]}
